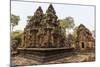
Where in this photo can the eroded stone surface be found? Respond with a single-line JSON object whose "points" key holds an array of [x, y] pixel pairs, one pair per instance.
{"points": [[84, 38], [43, 31]]}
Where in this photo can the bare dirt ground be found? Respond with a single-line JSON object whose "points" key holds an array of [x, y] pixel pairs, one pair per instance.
{"points": [[18, 60]]}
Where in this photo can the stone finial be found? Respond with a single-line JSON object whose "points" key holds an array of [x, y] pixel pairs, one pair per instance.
{"points": [[39, 9], [50, 9], [81, 25]]}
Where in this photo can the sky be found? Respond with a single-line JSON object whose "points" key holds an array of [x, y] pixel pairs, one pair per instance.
{"points": [[81, 14]]}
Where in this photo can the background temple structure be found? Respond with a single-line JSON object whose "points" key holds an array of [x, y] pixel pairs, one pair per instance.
{"points": [[84, 38]]}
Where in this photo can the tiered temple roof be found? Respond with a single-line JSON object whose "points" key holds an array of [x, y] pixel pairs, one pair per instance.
{"points": [[43, 30]]}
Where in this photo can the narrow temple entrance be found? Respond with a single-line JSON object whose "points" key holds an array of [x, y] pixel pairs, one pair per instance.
{"points": [[82, 44]]}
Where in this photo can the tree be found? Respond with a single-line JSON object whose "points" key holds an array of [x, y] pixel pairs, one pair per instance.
{"points": [[67, 23], [15, 39], [70, 40], [75, 33], [14, 20], [63, 28]]}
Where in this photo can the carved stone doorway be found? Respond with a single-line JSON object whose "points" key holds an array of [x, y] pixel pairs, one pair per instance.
{"points": [[83, 46]]}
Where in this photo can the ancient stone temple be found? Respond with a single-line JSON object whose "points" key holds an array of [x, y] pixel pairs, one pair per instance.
{"points": [[42, 39], [43, 31], [84, 38]]}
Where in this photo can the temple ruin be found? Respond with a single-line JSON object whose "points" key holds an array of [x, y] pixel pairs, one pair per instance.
{"points": [[84, 39], [43, 31], [42, 39]]}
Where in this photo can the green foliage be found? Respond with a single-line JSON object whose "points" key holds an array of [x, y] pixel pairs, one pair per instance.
{"points": [[68, 23], [14, 20], [15, 39], [75, 32]]}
